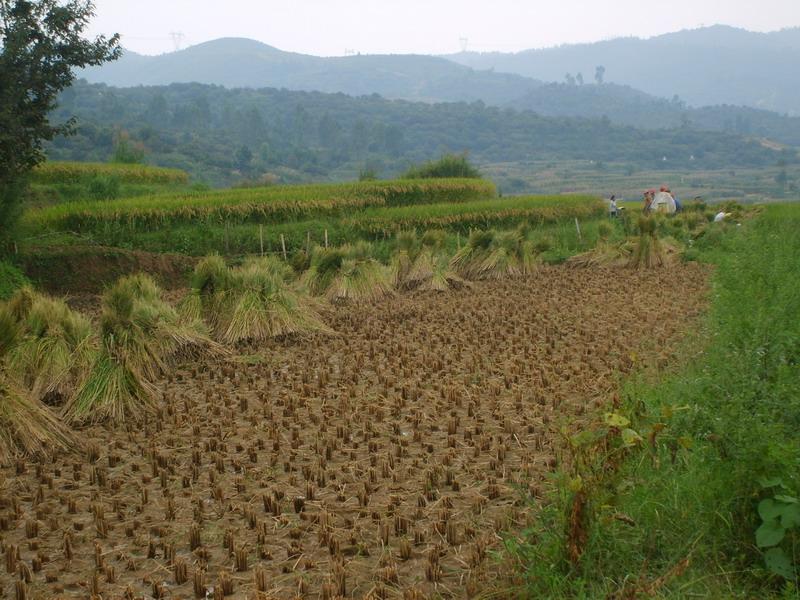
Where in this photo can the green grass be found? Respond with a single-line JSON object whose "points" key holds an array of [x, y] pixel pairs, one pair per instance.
{"points": [[11, 279], [731, 422]]}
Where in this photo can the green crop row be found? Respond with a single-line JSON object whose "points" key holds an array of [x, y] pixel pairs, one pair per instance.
{"points": [[77, 172], [536, 209], [369, 224], [259, 205]]}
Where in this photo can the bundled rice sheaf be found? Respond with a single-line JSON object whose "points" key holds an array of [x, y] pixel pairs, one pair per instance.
{"points": [[27, 426], [495, 255], [141, 335], [605, 254], [649, 251], [53, 345], [348, 274], [406, 250], [423, 263], [255, 301]]}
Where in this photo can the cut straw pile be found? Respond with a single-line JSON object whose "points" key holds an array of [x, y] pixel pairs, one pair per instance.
{"points": [[496, 255], [347, 274], [140, 337], [423, 264], [253, 302], [36, 334]]}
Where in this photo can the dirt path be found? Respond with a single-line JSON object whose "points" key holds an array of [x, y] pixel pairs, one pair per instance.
{"points": [[382, 461]]}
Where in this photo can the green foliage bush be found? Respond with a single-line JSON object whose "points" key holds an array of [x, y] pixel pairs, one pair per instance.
{"points": [[449, 165], [11, 279]]}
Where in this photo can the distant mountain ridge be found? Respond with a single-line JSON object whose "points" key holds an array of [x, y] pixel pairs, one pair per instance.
{"points": [[706, 66], [244, 63]]}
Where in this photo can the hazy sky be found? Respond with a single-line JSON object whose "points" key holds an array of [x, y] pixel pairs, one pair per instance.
{"points": [[334, 27]]}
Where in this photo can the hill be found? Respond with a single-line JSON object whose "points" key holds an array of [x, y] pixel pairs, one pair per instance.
{"points": [[706, 66], [237, 62], [222, 135], [243, 63], [627, 106]]}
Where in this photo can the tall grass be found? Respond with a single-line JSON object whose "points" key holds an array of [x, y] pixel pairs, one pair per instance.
{"points": [[680, 515]]}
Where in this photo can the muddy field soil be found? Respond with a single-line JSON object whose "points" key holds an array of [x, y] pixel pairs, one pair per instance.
{"points": [[383, 462]]}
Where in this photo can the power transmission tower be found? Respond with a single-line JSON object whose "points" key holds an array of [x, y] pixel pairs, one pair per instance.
{"points": [[177, 39]]}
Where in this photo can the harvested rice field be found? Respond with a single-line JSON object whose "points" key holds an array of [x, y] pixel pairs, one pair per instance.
{"points": [[383, 462]]}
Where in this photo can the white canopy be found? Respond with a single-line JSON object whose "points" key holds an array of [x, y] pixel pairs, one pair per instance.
{"points": [[663, 202]]}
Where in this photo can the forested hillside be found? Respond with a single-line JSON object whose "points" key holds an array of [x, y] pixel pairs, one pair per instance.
{"points": [[222, 135], [706, 66], [497, 79]]}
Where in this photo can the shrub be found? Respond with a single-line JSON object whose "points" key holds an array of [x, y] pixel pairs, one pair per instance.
{"points": [[11, 279], [449, 165]]}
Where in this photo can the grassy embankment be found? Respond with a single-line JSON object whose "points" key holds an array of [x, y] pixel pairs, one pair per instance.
{"points": [[690, 488]]}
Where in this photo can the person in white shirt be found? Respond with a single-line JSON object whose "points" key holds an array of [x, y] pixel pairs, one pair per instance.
{"points": [[612, 206]]}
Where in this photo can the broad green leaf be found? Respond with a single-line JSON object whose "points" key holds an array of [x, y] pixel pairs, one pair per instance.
{"points": [[771, 482], [769, 534], [584, 438], [630, 437], [777, 562], [769, 509], [786, 499], [790, 516], [615, 420]]}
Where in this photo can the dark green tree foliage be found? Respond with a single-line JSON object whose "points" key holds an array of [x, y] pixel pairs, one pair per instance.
{"points": [[40, 45], [369, 130], [449, 165]]}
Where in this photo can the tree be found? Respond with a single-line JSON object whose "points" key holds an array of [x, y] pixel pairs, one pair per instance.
{"points": [[40, 45], [599, 74], [782, 177], [243, 158], [127, 151], [569, 79], [579, 78]]}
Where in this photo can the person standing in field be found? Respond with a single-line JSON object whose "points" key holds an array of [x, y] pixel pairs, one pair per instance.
{"points": [[648, 200], [612, 206]]}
